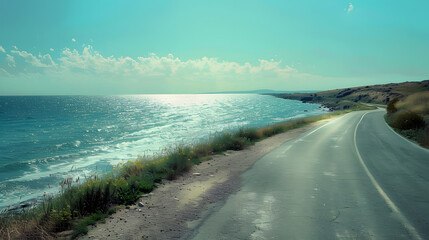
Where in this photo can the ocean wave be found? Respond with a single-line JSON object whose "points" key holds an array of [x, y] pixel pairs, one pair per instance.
{"points": [[74, 136]]}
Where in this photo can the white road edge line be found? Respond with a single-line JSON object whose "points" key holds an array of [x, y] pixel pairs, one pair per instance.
{"points": [[383, 194], [324, 125]]}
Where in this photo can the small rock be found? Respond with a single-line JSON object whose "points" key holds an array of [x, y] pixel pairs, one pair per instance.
{"points": [[140, 210], [140, 204], [176, 199], [65, 233], [196, 174]]}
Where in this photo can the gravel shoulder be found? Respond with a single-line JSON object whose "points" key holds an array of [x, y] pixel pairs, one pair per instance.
{"points": [[175, 207]]}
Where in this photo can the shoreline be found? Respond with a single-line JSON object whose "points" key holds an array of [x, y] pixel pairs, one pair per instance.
{"points": [[173, 208], [78, 160]]}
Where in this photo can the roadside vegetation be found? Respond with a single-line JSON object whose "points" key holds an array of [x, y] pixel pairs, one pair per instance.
{"points": [[83, 203], [409, 116]]}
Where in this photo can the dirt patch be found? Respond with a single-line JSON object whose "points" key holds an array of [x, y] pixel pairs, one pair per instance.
{"points": [[172, 209]]}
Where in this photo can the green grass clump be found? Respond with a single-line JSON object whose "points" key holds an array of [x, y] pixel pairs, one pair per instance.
{"points": [[81, 227], [251, 134]]}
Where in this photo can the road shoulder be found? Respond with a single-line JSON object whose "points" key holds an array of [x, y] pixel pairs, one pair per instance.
{"points": [[174, 207]]}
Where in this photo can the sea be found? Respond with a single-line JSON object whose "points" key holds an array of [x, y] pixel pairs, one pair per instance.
{"points": [[45, 139]]}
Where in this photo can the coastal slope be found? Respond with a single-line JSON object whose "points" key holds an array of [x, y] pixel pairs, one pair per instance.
{"points": [[346, 98], [353, 178]]}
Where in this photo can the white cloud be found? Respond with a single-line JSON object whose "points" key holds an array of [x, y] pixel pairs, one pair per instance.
{"points": [[73, 40], [350, 8], [2, 49], [10, 60], [43, 61], [168, 66], [151, 73]]}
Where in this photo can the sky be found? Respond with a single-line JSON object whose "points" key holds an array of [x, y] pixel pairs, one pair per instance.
{"points": [[52, 47]]}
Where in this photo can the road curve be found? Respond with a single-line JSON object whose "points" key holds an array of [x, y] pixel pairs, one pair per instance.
{"points": [[353, 178]]}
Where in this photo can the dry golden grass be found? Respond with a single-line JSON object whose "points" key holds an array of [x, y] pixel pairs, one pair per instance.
{"points": [[417, 102], [25, 229], [411, 117]]}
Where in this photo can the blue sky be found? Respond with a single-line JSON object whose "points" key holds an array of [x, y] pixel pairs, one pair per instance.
{"points": [[134, 47]]}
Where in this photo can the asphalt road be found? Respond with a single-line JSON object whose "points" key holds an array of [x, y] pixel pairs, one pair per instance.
{"points": [[353, 178]]}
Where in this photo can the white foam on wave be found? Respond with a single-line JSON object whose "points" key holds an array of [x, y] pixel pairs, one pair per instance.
{"points": [[149, 143]]}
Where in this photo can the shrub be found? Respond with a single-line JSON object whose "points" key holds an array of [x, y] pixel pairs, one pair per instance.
{"points": [[178, 161], [127, 195], [221, 142], [408, 120], [62, 219], [145, 185], [391, 108], [249, 133], [239, 143]]}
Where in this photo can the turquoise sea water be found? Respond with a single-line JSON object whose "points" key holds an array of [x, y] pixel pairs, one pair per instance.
{"points": [[44, 139]]}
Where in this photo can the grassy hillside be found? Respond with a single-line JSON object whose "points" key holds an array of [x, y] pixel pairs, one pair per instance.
{"points": [[346, 98]]}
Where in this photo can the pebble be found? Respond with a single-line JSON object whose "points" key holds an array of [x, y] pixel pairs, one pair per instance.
{"points": [[196, 174]]}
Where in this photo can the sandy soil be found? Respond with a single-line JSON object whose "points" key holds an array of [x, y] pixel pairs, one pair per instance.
{"points": [[175, 207]]}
